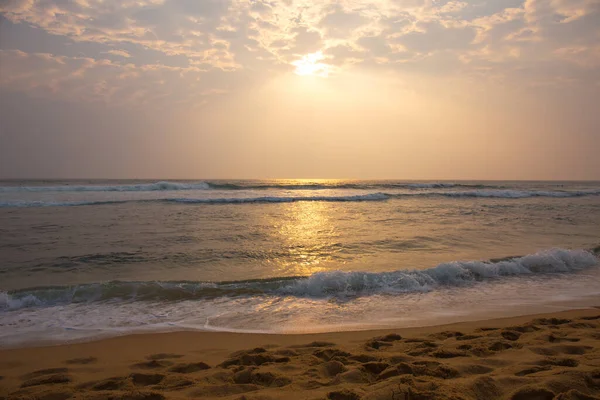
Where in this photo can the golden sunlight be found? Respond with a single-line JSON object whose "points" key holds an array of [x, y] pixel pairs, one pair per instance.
{"points": [[307, 232], [310, 65]]}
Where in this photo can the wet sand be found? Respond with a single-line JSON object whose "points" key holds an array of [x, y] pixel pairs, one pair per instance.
{"points": [[551, 356]]}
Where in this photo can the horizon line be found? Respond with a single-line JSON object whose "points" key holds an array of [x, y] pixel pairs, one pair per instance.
{"points": [[301, 179]]}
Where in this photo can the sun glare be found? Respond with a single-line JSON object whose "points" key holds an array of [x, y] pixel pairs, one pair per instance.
{"points": [[310, 65]]}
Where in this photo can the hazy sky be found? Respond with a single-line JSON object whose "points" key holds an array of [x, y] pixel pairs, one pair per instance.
{"points": [[408, 89]]}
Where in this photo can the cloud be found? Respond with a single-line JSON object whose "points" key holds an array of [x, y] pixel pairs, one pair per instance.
{"points": [[121, 53], [257, 38], [105, 81], [173, 28], [340, 23], [434, 36]]}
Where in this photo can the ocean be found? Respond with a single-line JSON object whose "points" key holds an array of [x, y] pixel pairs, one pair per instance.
{"points": [[81, 260]]}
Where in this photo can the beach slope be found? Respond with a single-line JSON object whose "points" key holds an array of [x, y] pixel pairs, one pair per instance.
{"points": [[537, 357]]}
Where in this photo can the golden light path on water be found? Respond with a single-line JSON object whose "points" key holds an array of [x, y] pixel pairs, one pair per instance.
{"points": [[302, 232]]}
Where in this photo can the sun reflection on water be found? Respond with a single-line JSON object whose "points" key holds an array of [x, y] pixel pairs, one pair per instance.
{"points": [[308, 236]]}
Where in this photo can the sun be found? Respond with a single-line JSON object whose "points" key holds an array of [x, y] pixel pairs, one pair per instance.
{"points": [[309, 65]]}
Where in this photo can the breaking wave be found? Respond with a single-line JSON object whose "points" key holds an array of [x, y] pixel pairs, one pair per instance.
{"points": [[335, 284], [248, 185], [142, 187], [378, 196], [345, 185], [231, 200]]}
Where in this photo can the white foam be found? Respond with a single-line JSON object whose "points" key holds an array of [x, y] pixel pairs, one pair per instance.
{"points": [[432, 185], [142, 187], [270, 313], [208, 200], [284, 199], [518, 194], [337, 284], [456, 273], [378, 196]]}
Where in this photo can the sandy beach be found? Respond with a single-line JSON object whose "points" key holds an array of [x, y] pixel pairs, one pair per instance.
{"points": [[536, 357]]}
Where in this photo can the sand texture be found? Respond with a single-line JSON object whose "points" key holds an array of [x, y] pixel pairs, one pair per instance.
{"points": [[526, 358]]}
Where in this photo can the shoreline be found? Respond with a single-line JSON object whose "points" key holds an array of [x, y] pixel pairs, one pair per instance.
{"points": [[591, 303], [64, 370]]}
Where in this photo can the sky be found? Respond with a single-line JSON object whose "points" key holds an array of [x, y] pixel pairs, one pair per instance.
{"points": [[365, 89]]}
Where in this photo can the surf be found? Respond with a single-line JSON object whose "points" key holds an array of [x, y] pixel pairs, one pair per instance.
{"points": [[330, 284]]}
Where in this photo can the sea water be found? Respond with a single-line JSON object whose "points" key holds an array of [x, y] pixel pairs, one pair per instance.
{"points": [[87, 259]]}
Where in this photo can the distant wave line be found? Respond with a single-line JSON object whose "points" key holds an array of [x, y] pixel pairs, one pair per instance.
{"points": [[378, 196], [178, 186]]}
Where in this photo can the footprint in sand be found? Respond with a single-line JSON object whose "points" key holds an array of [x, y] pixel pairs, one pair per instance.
{"points": [[500, 346], [189, 368], [532, 393], [146, 379], [558, 339], [153, 364], [176, 383], [551, 321], [258, 356], [363, 358], [382, 341], [486, 329], [47, 380], [163, 356], [82, 361], [526, 328], [376, 345], [224, 390], [595, 317], [533, 370], [375, 367], [448, 354], [286, 352], [313, 344], [142, 396], [50, 376], [392, 337], [47, 371], [468, 337], [114, 383], [563, 349], [328, 354], [575, 395], [510, 335], [330, 369], [447, 334], [53, 395], [559, 362], [353, 375], [266, 379], [583, 325], [343, 395], [474, 369], [485, 387]]}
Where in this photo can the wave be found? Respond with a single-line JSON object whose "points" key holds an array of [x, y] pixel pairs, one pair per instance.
{"points": [[249, 185], [231, 200], [520, 194], [345, 185], [378, 196], [334, 284], [286, 199], [142, 187]]}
